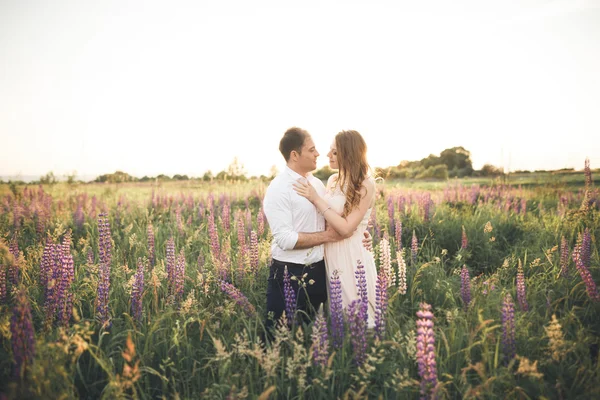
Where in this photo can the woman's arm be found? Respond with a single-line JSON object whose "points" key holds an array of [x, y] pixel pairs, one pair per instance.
{"points": [[345, 226]]}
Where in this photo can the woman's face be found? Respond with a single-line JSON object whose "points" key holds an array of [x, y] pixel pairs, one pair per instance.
{"points": [[333, 163]]}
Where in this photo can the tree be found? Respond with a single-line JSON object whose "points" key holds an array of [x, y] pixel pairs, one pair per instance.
{"points": [[323, 173], [48, 179], [458, 161], [236, 169], [490, 170]]}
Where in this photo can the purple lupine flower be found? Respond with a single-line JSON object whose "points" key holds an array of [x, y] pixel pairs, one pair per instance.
{"points": [[399, 235], [137, 291], [464, 242], [54, 265], [171, 265], [248, 221], [426, 351], [104, 247], [564, 257], [465, 286], [239, 298], [385, 261], [390, 208], [337, 310], [226, 216], [215, 247], [254, 251], [260, 221], [47, 265], [289, 295], [584, 272], [78, 217], [179, 276], [401, 204], [509, 344], [585, 249], [361, 286], [241, 232], [23, 335], [2, 284], [523, 209], [64, 295], [13, 268], [426, 205], [151, 248], [320, 341], [381, 302], [357, 323], [521, 295], [414, 248]]}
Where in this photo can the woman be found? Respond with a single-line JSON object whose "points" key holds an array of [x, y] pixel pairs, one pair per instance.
{"points": [[347, 206]]}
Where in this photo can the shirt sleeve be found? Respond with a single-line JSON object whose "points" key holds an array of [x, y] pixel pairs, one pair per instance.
{"points": [[278, 210]]}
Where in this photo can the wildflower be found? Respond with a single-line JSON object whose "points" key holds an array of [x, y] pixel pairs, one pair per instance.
{"points": [[465, 286], [521, 296], [289, 295], [414, 248], [137, 292], [151, 248], [557, 345], [260, 222], [357, 322], [254, 252], [337, 316], [226, 217], [320, 341], [22, 334], [509, 346], [237, 296], [526, 368], [105, 247], [381, 300], [578, 255], [2, 283], [401, 272], [426, 350], [564, 257], [386, 261], [171, 265], [398, 235], [488, 227], [464, 241], [64, 296], [361, 285], [179, 276]]}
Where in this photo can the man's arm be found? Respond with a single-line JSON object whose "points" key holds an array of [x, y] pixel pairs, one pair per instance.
{"points": [[308, 240]]}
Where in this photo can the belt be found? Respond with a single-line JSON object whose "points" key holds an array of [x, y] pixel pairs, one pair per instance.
{"points": [[291, 264]]}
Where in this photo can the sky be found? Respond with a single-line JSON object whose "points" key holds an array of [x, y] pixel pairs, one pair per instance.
{"points": [[182, 87]]}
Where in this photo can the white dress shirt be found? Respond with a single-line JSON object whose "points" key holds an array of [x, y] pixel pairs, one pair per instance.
{"points": [[288, 213]]}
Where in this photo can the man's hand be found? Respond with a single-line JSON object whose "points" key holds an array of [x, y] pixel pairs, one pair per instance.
{"points": [[368, 241], [333, 235]]}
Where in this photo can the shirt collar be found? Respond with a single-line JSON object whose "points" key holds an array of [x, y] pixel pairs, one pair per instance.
{"points": [[296, 175]]}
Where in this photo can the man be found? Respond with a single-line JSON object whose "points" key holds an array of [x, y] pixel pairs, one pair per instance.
{"points": [[298, 231]]}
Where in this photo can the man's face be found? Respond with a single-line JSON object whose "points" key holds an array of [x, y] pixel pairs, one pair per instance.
{"points": [[307, 159]]}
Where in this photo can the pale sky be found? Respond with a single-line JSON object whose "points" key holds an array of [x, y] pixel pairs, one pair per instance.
{"points": [[151, 87]]}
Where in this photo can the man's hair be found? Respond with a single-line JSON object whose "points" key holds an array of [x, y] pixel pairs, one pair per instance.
{"points": [[293, 139]]}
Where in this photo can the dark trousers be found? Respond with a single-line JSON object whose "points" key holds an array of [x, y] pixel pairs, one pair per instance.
{"points": [[308, 298]]}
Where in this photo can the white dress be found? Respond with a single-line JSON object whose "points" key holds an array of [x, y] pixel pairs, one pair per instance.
{"points": [[343, 256]]}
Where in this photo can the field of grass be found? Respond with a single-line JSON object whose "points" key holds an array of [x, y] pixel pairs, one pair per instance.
{"points": [[147, 290]]}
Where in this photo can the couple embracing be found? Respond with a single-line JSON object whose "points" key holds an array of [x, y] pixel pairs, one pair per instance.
{"points": [[320, 229]]}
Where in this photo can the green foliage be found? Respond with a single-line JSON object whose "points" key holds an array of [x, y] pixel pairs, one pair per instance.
{"points": [[205, 346]]}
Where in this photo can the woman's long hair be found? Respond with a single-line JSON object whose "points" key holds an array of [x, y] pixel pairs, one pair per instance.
{"points": [[353, 167]]}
